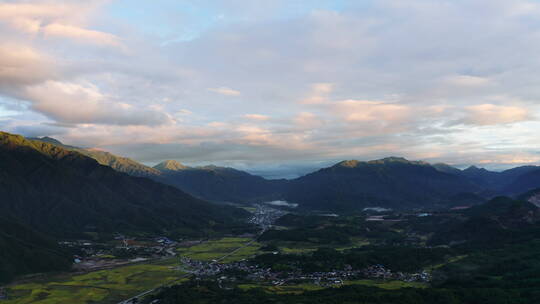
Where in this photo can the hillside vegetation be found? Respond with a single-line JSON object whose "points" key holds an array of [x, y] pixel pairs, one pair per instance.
{"points": [[24, 251], [65, 193]]}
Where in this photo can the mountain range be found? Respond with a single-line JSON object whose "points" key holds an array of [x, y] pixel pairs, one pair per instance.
{"points": [[392, 182], [212, 183]]}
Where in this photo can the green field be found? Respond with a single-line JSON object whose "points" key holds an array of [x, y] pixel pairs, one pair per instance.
{"points": [[249, 209], [299, 288], [215, 249], [283, 289], [104, 286], [300, 249], [387, 284], [304, 247], [451, 260], [114, 285]]}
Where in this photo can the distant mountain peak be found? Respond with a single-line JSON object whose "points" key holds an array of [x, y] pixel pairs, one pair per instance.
{"points": [[216, 168], [47, 139], [391, 159], [170, 165], [348, 163], [387, 160], [446, 168], [474, 168]]}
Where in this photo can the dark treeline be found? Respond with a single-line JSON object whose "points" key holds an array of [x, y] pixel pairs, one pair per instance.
{"points": [[405, 259], [209, 292]]}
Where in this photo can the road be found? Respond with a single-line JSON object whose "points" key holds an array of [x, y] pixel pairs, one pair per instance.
{"points": [[134, 299], [263, 222]]}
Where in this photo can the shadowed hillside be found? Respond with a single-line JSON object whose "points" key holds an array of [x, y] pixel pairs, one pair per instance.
{"points": [[118, 163], [24, 251], [66, 193], [390, 182], [220, 183]]}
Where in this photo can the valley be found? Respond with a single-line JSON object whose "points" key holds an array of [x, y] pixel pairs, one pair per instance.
{"points": [[269, 151], [341, 252], [111, 272], [385, 229]]}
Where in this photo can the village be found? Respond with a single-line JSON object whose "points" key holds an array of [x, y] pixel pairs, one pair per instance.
{"points": [[90, 255], [264, 216], [248, 272]]}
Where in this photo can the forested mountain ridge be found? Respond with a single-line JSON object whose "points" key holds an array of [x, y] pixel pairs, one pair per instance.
{"points": [[390, 182], [213, 183], [119, 163], [503, 182], [220, 183], [65, 193]]}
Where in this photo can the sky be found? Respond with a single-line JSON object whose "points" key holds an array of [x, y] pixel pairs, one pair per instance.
{"points": [[277, 87]]}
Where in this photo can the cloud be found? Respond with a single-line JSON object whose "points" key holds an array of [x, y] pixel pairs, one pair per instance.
{"points": [[490, 114], [184, 112], [39, 130], [467, 81], [319, 93], [75, 103], [225, 91], [368, 111], [307, 120], [258, 117], [56, 19], [21, 65], [48, 75], [80, 34]]}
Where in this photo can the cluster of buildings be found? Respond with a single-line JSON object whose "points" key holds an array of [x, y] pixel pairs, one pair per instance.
{"points": [[205, 270], [380, 272], [94, 256], [264, 216]]}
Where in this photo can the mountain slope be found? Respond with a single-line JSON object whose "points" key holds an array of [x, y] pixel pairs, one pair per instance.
{"points": [[501, 220], [24, 251], [212, 183], [220, 183], [442, 167], [492, 181], [524, 182], [118, 163], [483, 178], [390, 182], [121, 164], [66, 193]]}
